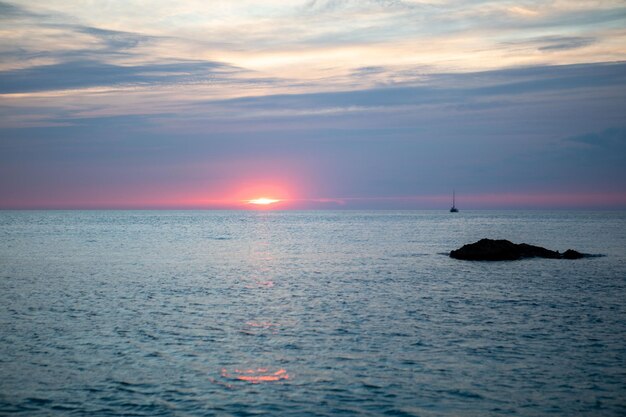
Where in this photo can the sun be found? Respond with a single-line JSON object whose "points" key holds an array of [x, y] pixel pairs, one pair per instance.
{"points": [[263, 201]]}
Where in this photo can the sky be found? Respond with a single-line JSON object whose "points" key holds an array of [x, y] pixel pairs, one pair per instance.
{"points": [[368, 104]]}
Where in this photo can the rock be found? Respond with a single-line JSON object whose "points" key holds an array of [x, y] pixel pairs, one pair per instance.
{"points": [[572, 254], [504, 250]]}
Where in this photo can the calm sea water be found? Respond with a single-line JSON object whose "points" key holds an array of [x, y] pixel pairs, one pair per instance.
{"points": [[309, 313]]}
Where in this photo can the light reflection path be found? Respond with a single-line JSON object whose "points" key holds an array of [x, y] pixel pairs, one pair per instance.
{"points": [[256, 376], [262, 260]]}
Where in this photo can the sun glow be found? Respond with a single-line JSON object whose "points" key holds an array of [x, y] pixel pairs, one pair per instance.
{"points": [[263, 201]]}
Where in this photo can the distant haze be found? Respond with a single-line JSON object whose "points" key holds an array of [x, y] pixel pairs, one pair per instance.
{"points": [[319, 104]]}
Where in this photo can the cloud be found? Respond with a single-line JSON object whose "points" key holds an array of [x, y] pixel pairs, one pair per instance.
{"points": [[83, 74], [564, 42], [321, 6], [554, 43], [612, 140], [523, 11], [116, 40], [8, 11]]}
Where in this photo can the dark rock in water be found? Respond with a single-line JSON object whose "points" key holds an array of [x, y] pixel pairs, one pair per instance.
{"points": [[572, 254], [504, 250]]}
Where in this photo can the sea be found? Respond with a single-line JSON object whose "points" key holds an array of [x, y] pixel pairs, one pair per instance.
{"points": [[319, 313]]}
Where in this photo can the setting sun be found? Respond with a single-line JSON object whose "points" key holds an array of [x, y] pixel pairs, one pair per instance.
{"points": [[263, 201]]}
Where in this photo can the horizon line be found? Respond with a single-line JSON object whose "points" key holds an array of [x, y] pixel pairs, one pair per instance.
{"points": [[483, 201]]}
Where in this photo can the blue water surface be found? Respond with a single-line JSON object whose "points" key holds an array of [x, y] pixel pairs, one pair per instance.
{"points": [[199, 313]]}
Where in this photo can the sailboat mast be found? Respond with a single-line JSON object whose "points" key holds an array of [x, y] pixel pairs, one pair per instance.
{"points": [[453, 209]]}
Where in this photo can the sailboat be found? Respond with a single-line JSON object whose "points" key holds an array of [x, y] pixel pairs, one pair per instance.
{"points": [[453, 209]]}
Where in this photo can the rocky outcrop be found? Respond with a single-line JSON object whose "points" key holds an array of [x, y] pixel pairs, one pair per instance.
{"points": [[572, 254], [504, 250]]}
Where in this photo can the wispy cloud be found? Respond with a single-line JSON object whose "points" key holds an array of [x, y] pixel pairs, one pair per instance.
{"points": [[554, 43], [612, 139], [85, 74]]}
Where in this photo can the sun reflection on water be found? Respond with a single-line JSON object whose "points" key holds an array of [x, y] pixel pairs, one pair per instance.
{"points": [[256, 376]]}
